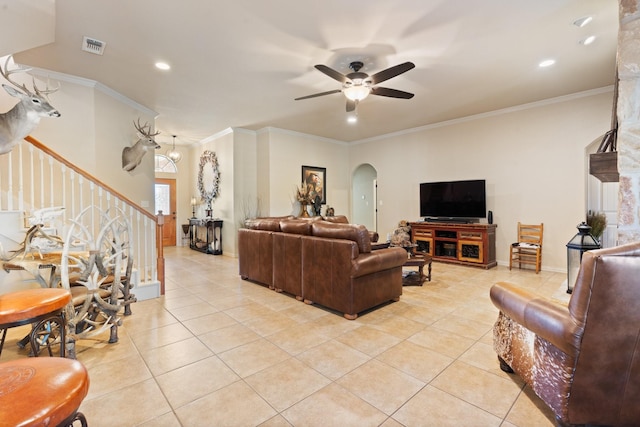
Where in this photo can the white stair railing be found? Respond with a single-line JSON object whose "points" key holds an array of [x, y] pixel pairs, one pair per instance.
{"points": [[33, 177]]}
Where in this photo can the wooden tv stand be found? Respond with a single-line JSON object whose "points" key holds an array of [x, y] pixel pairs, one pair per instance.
{"points": [[467, 244]]}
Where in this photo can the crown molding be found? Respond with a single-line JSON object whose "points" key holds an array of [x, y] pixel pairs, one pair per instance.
{"points": [[81, 81], [301, 134], [528, 106]]}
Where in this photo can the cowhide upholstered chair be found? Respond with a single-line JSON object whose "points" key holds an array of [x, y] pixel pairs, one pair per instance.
{"points": [[581, 359]]}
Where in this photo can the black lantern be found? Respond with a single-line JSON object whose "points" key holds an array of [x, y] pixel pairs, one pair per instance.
{"points": [[578, 245]]}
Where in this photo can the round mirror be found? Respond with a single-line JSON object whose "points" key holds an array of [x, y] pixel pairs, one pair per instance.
{"points": [[208, 176]]}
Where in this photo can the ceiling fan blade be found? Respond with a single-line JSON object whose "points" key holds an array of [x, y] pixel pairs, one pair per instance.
{"points": [[332, 73], [383, 75], [391, 93], [319, 94], [351, 105]]}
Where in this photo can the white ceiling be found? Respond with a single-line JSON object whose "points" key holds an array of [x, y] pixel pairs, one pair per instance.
{"points": [[241, 63]]}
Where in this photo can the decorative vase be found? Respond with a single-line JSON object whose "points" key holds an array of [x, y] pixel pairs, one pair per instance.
{"points": [[303, 211]]}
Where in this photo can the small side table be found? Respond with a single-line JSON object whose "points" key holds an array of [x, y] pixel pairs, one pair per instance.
{"points": [[417, 261]]}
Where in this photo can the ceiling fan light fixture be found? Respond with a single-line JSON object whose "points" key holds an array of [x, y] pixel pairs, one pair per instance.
{"points": [[174, 155], [356, 92]]}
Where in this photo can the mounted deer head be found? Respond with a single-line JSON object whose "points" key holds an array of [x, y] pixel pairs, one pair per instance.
{"points": [[18, 122], [132, 156]]}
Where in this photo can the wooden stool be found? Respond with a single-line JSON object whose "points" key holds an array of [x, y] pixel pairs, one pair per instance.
{"points": [[44, 391], [44, 308]]}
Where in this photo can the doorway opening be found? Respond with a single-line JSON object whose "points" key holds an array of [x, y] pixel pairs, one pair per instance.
{"points": [[364, 193], [165, 195]]}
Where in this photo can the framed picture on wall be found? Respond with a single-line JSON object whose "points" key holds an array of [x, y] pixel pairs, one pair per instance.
{"points": [[315, 179]]}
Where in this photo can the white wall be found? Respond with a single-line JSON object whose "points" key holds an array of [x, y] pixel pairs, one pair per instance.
{"points": [[26, 24], [532, 159], [94, 127], [247, 203], [363, 197], [285, 154]]}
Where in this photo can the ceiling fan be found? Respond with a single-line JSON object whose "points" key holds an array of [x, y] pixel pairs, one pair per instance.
{"points": [[356, 86]]}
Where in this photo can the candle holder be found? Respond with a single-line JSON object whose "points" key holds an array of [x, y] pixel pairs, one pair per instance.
{"points": [[194, 203]]}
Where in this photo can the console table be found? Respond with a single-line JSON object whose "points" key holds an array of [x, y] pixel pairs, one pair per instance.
{"points": [[468, 244], [205, 235]]}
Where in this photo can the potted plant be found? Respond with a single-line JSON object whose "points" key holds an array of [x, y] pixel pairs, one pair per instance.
{"points": [[598, 222]]}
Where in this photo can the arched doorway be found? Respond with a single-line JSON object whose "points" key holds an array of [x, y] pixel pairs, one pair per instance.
{"points": [[364, 196]]}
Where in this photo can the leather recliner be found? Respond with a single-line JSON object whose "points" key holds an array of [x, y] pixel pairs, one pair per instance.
{"points": [[581, 359]]}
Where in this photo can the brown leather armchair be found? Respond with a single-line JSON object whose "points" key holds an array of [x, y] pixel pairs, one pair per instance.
{"points": [[582, 360]]}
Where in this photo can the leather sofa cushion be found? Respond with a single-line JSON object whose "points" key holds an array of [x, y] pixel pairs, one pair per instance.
{"points": [[294, 226], [339, 219], [356, 233], [266, 224], [376, 261]]}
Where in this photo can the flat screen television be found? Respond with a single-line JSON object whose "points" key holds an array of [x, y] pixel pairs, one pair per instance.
{"points": [[453, 200]]}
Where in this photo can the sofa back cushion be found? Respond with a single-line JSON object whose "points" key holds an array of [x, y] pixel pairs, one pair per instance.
{"points": [[340, 219], [295, 226], [266, 224], [355, 233]]}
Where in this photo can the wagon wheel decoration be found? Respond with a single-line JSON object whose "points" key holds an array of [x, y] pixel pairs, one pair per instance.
{"points": [[208, 176], [47, 334]]}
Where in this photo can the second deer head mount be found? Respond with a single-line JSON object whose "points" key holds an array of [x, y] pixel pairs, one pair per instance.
{"points": [[132, 156], [19, 121]]}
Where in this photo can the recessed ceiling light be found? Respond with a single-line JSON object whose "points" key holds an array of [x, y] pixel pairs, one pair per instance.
{"points": [[163, 66], [547, 63], [583, 21], [588, 40], [352, 119]]}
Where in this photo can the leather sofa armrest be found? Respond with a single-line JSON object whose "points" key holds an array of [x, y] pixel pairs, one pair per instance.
{"points": [[379, 260], [543, 317]]}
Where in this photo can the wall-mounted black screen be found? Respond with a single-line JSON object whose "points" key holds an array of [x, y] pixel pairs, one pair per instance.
{"points": [[453, 199]]}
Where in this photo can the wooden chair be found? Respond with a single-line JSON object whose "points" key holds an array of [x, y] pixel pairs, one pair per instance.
{"points": [[44, 391], [43, 309], [528, 249]]}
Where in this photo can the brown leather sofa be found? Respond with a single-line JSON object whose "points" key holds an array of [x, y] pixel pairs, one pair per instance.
{"points": [[582, 360], [319, 261]]}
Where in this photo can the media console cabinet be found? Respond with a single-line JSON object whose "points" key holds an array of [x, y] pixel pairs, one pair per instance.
{"points": [[467, 244]]}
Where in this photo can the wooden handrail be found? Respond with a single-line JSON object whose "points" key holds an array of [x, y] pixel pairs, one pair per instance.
{"points": [[89, 177], [158, 220]]}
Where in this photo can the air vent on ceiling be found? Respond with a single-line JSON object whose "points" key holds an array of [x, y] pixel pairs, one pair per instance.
{"points": [[93, 46]]}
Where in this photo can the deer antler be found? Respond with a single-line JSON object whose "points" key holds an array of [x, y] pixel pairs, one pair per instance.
{"points": [[46, 91], [6, 73], [145, 130]]}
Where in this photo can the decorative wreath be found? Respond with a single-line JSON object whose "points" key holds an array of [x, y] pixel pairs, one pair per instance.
{"points": [[208, 158]]}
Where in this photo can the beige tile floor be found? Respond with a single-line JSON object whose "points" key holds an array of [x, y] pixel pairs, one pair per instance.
{"points": [[220, 351]]}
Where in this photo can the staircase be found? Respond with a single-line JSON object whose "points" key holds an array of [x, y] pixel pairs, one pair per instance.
{"points": [[33, 177]]}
